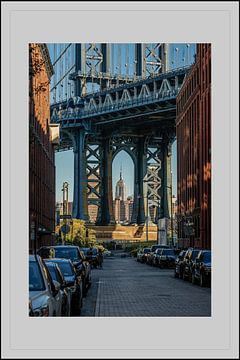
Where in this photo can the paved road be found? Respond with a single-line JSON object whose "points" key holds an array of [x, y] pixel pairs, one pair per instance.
{"points": [[125, 287]]}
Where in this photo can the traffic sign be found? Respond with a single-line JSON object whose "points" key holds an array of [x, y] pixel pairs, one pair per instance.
{"points": [[65, 229]]}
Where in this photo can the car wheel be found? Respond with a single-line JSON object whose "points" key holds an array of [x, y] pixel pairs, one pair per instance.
{"points": [[202, 280]]}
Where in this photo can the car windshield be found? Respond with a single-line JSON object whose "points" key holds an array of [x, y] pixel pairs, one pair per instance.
{"points": [[194, 254], [85, 250], [146, 251], [182, 254], [65, 268], [92, 252], [36, 282], [52, 271], [207, 256], [67, 253], [168, 252]]}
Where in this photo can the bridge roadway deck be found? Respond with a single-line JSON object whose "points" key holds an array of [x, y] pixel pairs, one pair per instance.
{"points": [[127, 288]]}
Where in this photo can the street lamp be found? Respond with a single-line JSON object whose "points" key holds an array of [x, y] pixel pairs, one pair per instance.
{"points": [[170, 187]]}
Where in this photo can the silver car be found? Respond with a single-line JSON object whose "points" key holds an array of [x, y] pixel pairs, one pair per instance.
{"points": [[44, 293]]}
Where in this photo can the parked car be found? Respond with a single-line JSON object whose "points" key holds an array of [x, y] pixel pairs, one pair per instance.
{"points": [[167, 258], [202, 268], [179, 264], [188, 260], [150, 255], [73, 281], [156, 255], [30, 308], [65, 292], [107, 253], [91, 255], [142, 255], [44, 292], [74, 254]]}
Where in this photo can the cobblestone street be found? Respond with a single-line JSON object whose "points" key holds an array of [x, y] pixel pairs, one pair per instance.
{"points": [[125, 287]]}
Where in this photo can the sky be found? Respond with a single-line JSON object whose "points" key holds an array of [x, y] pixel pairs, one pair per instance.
{"points": [[64, 159]]}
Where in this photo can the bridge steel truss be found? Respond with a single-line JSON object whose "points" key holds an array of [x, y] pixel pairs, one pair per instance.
{"points": [[137, 117]]}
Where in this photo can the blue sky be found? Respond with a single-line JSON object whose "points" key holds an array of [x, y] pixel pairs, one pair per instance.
{"points": [[64, 160]]}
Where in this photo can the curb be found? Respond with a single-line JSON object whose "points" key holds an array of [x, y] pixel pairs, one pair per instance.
{"points": [[97, 307]]}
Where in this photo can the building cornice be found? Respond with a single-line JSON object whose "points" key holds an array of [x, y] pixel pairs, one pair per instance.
{"points": [[47, 60]]}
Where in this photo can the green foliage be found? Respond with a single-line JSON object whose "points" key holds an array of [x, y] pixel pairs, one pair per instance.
{"points": [[135, 247], [78, 235]]}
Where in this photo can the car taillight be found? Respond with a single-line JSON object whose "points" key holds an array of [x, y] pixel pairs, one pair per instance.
{"points": [[44, 311]]}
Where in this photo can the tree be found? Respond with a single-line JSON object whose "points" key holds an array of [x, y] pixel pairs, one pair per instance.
{"points": [[79, 235]]}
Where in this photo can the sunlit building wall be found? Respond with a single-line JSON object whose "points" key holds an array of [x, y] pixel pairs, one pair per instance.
{"points": [[194, 153]]}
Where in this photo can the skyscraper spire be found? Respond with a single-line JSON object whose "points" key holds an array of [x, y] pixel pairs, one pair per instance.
{"points": [[121, 172]]}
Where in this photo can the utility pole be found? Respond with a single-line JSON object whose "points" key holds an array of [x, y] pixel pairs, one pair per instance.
{"points": [[147, 219], [65, 206], [171, 216]]}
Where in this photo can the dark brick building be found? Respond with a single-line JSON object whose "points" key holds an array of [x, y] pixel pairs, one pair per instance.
{"points": [[41, 149], [194, 153]]}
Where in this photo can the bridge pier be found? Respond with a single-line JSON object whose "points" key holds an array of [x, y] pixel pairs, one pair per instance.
{"points": [[138, 215], [105, 215], [80, 210], [165, 176]]}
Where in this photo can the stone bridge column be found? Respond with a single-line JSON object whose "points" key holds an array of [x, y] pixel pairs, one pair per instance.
{"points": [[165, 176], [80, 209], [105, 216], [138, 215]]}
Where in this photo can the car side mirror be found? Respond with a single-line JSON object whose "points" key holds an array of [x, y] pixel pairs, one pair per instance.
{"points": [[57, 287], [64, 285]]}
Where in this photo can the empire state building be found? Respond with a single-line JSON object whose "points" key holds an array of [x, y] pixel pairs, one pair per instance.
{"points": [[122, 204], [121, 189]]}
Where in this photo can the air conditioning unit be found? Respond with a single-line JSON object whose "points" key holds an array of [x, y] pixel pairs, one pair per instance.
{"points": [[55, 133]]}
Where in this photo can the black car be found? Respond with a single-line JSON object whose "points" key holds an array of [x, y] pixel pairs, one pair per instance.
{"points": [[72, 281], [188, 260], [153, 248], [202, 268], [142, 255], [167, 258], [66, 295], [91, 255], [155, 258], [179, 264], [75, 255]]}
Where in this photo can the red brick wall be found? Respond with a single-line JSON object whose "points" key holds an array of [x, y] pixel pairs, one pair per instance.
{"points": [[41, 152], [193, 147]]}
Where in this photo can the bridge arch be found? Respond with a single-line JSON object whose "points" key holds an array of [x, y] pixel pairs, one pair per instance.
{"points": [[123, 180]]}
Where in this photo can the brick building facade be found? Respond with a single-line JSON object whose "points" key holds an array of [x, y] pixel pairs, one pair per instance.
{"points": [[41, 150], [193, 126]]}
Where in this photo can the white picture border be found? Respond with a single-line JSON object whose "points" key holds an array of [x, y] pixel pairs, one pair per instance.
{"points": [[161, 337]]}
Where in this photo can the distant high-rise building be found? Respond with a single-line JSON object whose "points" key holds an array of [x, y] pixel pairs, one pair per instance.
{"points": [[121, 189], [129, 208], [122, 205]]}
